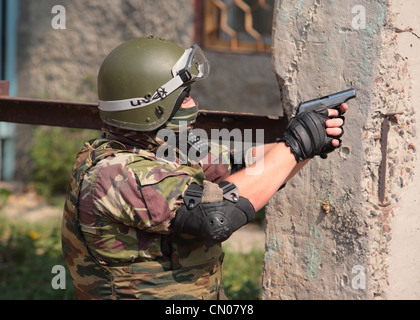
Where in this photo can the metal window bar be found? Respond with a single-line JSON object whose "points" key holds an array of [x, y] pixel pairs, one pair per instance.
{"points": [[238, 25]]}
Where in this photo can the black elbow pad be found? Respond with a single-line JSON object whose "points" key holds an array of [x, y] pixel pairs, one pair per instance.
{"points": [[213, 221]]}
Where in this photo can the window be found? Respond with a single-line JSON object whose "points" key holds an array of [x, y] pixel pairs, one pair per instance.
{"points": [[238, 25]]}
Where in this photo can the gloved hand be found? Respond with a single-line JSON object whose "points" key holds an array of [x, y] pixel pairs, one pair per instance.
{"points": [[306, 135]]}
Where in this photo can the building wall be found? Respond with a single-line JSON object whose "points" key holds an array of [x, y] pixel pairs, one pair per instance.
{"points": [[63, 63], [8, 18]]}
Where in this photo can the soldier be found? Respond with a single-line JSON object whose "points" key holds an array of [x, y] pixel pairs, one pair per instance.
{"points": [[137, 225]]}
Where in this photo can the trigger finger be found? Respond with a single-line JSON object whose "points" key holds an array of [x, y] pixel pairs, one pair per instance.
{"points": [[333, 113]]}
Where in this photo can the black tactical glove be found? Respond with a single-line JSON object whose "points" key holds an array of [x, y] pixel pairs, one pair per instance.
{"points": [[306, 135]]}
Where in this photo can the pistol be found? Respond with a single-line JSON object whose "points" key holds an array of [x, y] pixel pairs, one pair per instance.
{"points": [[332, 101]]}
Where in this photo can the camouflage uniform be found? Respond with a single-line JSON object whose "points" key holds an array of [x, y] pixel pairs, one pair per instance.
{"points": [[116, 231]]}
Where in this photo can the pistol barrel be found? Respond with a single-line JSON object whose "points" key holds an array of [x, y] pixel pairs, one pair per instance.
{"points": [[330, 102]]}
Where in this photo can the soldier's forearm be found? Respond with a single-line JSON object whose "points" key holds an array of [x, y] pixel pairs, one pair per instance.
{"points": [[259, 182]]}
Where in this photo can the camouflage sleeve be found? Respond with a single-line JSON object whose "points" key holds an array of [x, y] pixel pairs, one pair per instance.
{"points": [[216, 165], [140, 193]]}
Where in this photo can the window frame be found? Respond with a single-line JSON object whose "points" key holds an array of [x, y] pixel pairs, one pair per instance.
{"points": [[207, 30]]}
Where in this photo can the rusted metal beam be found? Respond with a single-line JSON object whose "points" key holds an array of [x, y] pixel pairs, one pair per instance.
{"points": [[86, 116], [50, 113], [273, 126]]}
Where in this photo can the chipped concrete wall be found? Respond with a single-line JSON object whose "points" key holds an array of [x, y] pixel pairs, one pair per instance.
{"points": [[404, 257], [321, 47]]}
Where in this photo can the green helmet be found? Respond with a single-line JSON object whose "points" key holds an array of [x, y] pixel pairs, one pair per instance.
{"points": [[144, 80]]}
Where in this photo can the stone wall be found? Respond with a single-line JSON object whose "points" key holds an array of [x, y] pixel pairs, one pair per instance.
{"points": [[63, 63]]}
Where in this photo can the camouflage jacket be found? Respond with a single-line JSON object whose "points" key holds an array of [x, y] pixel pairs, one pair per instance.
{"points": [[116, 232]]}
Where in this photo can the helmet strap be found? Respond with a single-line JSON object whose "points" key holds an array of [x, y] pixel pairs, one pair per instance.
{"points": [[184, 94]]}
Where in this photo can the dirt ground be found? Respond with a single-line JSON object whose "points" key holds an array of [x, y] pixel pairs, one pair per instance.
{"points": [[28, 206]]}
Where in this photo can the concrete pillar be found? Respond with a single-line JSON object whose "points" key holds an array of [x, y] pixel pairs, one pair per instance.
{"points": [[404, 258], [328, 231]]}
